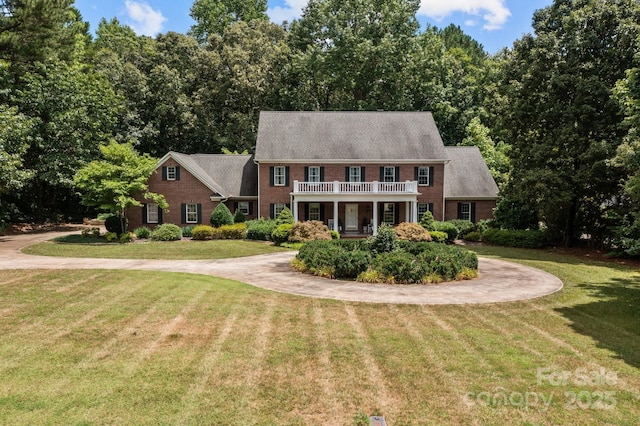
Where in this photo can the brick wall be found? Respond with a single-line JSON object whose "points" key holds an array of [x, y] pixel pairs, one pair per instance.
{"points": [[484, 209]]}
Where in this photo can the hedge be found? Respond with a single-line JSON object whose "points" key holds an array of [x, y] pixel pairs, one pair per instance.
{"points": [[260, 229], [515, 238]]}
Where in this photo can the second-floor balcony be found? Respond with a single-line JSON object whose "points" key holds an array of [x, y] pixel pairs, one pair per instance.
{"points": [[407, 187]]}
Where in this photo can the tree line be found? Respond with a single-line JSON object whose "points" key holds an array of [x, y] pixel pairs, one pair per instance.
{"points": [[555, 116]]}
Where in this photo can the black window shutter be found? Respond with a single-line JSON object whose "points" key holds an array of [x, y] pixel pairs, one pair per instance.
{"points": [[164, 173], [321, 174], [382, 174], [271, 175], [322, 212], [144, 213], [306, 211], [160, 221], [183, 213], [177, 172], [430, 207], [250, 207], [431, 179], [362, 179], [272, 211], [199, 213], [397, 175], [288, 206], [306, 174], [415, 173], [286, 176], [235, 206], [459, 210], [473, 212], [346, 174], [396, 214]]}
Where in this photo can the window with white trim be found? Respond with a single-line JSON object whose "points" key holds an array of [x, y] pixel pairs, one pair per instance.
{"points": [[389, 174], [172, 173], [423, 175], [152, 213], [314, 211], [279, 175], [314, 174], [354, 174], [389, 214], [465, 211], [422, 209], [277, 209], [243, 206], [191, 213]]}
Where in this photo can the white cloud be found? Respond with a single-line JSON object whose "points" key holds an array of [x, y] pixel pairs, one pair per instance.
{"points": [[143, 19], [493, 12], [290, 11]]}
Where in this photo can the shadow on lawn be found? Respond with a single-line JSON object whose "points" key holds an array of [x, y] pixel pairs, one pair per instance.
{"points": [[612, 321]]}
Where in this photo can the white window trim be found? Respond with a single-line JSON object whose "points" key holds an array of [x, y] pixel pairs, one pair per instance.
{"points": [[314, 211], [314, 174], [392, 211], [243, 206], [466, 213], [279, 175], [153, 215], [193, 213], [355, 174], [425, 175], [172, 173], [392, 175]]}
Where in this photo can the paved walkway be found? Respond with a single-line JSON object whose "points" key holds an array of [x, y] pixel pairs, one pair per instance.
{"points": [[499, 281]]}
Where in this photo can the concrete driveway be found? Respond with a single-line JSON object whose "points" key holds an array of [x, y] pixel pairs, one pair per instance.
{"points": [[499, 281]]}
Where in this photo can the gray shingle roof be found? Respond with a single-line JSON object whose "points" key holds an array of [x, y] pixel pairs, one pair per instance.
{"points": [[368, 136], [226, 175], [467, 175]]}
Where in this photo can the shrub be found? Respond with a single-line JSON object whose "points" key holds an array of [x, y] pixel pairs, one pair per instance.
{"points": [[335, 235], [448, 228], [221, 216], [473, 236], [521, 238], [285, 216], [203, 232], [485, 224], [167, 232], [400, 267], [111, 237], [142, 233], [385, 241], [260, 229], [350, 264], [239, 217], [438, 237], [90, 233], [187, 230], [311, 230], [370, 276], [236, 231], [127, 237], [427, 221], [412, 232], [281, 233], [463, 226], [117, 224]]}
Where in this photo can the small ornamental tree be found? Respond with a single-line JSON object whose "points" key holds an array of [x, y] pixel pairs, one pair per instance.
{"points": [[110, 184], [221, 216], [285, 216]]}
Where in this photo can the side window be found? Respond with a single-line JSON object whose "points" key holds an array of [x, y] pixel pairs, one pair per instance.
{"points": [[191, 213], [423, 175], [152, 213], [279, 175], [243, 206]]}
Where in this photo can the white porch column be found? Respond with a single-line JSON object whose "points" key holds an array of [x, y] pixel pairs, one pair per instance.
{"points": [[295, 209], [407, 211], [335, 216], [415, 211], [375, 218]]}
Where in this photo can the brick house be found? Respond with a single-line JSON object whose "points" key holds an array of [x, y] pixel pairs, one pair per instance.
{"points": [[351, 170]]}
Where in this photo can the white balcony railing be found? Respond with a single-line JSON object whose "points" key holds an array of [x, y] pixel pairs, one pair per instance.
{"points": [[407, 187]]}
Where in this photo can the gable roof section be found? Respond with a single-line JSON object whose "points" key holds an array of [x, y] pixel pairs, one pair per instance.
{"points": [[225, 175], [340, 136], [467, 176]]}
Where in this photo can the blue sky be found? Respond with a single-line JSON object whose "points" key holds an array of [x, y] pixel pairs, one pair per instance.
{"points": [[494, 23]]}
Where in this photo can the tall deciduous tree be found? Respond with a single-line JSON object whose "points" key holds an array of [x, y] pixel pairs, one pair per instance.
{"points": [[214, 16], [562, 120], [494, 154], [111, 184]]}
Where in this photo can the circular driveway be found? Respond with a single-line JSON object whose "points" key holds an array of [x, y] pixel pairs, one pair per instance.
{"points": [[499, 281]]}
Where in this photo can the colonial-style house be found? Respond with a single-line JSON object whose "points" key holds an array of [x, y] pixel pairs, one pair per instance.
{"points": [[351, 170]]}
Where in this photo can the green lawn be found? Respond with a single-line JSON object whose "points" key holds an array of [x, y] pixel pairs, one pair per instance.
{"points": [[75, 246], [133, 347]]}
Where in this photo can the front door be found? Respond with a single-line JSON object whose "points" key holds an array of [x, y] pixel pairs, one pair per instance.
{"points": [[351, 217]]}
